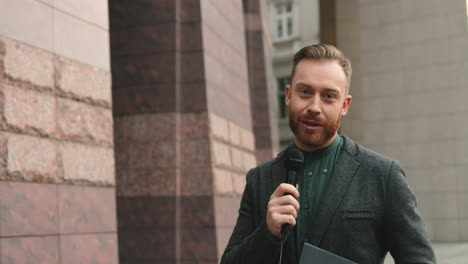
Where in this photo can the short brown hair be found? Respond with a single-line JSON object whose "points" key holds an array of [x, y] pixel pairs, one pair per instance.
{"points": [[323, 52]]}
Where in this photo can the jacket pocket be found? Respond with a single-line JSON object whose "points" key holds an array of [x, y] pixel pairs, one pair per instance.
{"points": [[360, 214]]}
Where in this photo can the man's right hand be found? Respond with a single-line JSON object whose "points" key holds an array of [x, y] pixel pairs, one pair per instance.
{"points": [[282, 209]]}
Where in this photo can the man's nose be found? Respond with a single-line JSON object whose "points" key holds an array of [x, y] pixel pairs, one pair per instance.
{"points": [[314, 105]]}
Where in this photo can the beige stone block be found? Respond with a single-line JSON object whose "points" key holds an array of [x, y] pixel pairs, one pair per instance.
{"points": [[419, 154], [445, 205], [462, 199], [84, 80], [372, 132], [347, 9], [378, 38], [395, 131], [220, 153], [238, 181], [31, 154], [81, 41], [398, 151], [250, 161], [87, 163], [30, 22], [95, 12], [443, 153], [223, 183], [236, 158], [425, 204], [373, 110], [461, 172], [28, 109], [444, 179], [461, 152], [26, 63], [446, 229], [83, 121], [463, 229], [247, 139], [383, 84], [381, 13], [424, 8], [421, 179], [457, 48], [418, 129], [234, 133], [219, 126], [222, 238], [379, 61]]}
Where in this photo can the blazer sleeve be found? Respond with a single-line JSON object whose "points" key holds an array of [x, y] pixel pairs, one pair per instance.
{"points": [[250, 242], [406, 236]]}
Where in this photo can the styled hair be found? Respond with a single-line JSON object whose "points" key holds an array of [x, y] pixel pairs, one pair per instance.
{"points": [[323, 52]]}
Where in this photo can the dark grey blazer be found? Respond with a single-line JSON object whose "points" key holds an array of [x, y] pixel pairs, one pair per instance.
{"points": [[367, 211]]}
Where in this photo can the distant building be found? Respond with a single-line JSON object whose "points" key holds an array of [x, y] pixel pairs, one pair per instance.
{"points": [[293, 24]]}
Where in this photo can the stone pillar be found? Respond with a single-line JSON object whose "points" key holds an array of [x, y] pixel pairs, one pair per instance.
{"points": [[183, 126], [262, 90], [57, 195], [412, 98]]}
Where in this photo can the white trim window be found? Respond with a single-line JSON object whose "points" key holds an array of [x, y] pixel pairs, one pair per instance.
{"points": [[283, 22]]}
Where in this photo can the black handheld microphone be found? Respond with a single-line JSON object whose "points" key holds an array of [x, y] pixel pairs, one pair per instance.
{"points": [[293, 162]]}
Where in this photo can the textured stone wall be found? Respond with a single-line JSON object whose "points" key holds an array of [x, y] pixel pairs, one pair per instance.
{"points": [[410, 102], [57, 201], [183, 126]]}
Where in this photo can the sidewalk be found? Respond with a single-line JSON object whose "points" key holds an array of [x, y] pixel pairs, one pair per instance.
{"points": [[446, 253]]}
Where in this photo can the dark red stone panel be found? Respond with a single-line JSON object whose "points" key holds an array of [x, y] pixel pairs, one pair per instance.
{"points": [[41, 249], [196, 180], [189, 11], [147, 39], [143, 69], [129, 13], [198, 244], [191, 66], [146, 244], [28, 209], [144, 182], [195, 153], [141, 99], [191, 36], [89, 248], [86, 209], [196, 212], [251, 6], [146, 212]]}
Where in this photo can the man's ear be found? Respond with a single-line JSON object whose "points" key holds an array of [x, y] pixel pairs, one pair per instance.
{"points": [[346, 104], [288, 94]]}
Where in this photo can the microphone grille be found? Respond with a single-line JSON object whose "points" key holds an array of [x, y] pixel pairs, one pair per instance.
{"points": [[294, 159]]}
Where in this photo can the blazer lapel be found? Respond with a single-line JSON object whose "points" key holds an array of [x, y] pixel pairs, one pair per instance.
{"points": [[342, 175]]}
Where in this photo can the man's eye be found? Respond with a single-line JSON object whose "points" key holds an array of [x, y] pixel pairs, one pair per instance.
{"points": [[305, 91], [330, 96]]}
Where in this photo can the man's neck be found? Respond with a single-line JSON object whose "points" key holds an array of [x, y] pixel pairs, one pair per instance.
{"points": [[309, 148]]}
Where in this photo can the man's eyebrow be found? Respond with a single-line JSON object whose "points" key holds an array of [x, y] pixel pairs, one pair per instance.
{"points": [[303, 84]]}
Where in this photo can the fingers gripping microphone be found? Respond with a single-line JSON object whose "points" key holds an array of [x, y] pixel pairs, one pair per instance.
{"points": [[294, 161]]}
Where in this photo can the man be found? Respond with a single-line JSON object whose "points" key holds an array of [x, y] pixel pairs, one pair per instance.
{"points": [[350, 201]]}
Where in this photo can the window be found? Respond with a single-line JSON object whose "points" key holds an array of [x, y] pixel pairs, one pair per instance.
{"points": [[282, 107], [282, 25]]}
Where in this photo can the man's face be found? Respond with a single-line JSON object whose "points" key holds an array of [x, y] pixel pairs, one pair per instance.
{"points": [[317, 100]]}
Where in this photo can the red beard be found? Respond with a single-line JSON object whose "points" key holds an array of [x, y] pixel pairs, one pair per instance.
{"points": [[317, 139]]}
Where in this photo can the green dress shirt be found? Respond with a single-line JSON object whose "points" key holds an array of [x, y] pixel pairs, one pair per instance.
{"points": [[313, 181]]}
